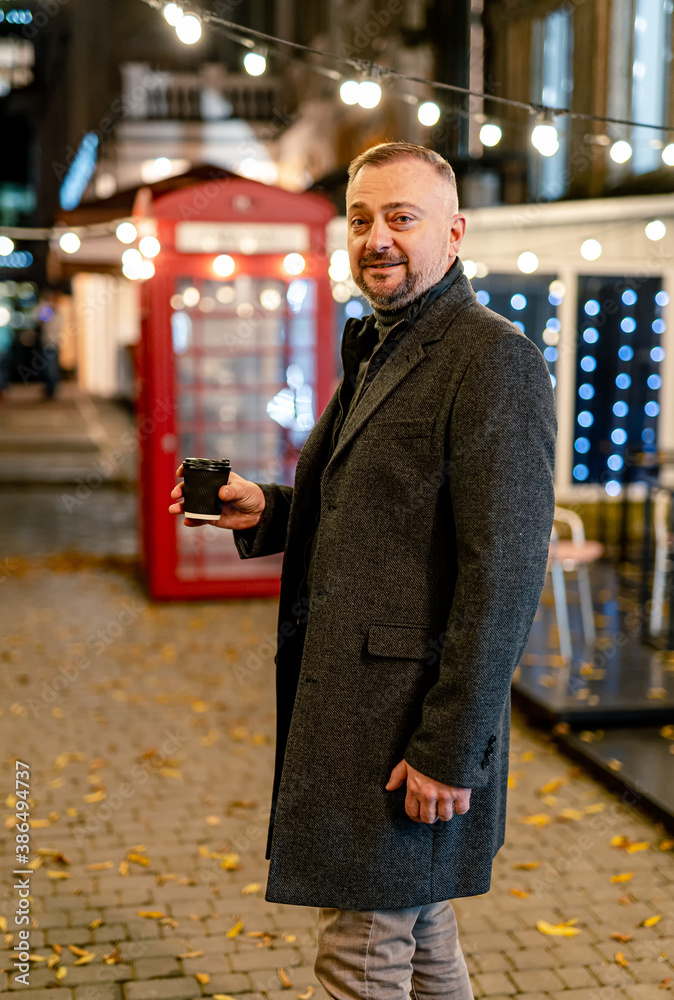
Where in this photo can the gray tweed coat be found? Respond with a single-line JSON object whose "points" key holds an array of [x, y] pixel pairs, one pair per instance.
{"points": [[436, 511]]}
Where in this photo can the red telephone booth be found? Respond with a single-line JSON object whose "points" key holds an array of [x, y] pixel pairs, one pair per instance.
{"points": [[236, 361]]}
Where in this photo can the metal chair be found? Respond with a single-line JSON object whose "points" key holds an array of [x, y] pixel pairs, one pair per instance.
{"points": [[568, 556]]}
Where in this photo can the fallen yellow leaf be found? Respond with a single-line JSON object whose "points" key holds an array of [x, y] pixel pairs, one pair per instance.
{"points": [[528, 756], [539, 819], [37, 958], [561, 930], [61, 972], [621, 960], [123, 867], [651, 921], [595, 807], [235, 930], [571, 814], [222, 996], [38, 824], [633, 848], [114, 957], [53, 960], [615, 765], [623, 938], [95, 923], [527, 865], [286, 981], [289, 938], [3, 924], [138, 859], [309, 992], [77, 951], [95, 796], [230, 862], [250, 888], [202, 977], [171, 772], [512, 783], [57, 948], [52, 873], [622, 877], [519, 892], [191, 954], [213, 820], [151, 914], [85, 959], [552, 786], [100, 866]]}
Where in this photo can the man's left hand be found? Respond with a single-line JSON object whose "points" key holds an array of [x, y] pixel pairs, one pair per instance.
{"points": [[428, 800]]}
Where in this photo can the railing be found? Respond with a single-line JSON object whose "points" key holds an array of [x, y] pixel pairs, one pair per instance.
{"points": [[210, 95]]}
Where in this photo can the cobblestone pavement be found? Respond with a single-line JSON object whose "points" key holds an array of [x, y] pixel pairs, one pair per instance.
{"points": [[149, 733]]}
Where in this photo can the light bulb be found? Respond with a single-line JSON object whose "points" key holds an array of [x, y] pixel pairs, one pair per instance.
{"points": [[70, 243], [620, 151], [173, 13], [591, 249], [668, 155], [349, 91], [527, 262], [188, 29], [369, 94], [149, 246], [254, 63], [428, 113], [490, 134], [6, 246], [544, 139], [126, 232], [655, 230]]}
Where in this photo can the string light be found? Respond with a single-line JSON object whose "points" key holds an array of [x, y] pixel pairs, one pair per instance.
{"points": [[224, 265], [620, 151], [544, 136], [527, 262], [6, 246], [591, 249], [188, 29], [126, 232], [172, 13], [255, 63], [655, 230], [149, 246], [369, 94], [490, 134], [668, 155], [70, 243], [428, 113]]}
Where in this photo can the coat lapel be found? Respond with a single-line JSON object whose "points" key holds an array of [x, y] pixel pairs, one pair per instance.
{"points": [[408, 353]]}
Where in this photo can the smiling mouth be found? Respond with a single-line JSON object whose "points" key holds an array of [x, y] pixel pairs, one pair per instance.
{"points": [[379, 267]]}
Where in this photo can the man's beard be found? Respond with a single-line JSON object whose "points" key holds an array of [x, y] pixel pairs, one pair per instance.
{"points": [[410, 288]]}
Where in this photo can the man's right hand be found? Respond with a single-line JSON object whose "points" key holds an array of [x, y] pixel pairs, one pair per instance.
{"points": [[244, 503]]}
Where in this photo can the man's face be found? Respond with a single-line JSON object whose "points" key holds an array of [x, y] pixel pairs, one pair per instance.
{"points": [[404, 230]]}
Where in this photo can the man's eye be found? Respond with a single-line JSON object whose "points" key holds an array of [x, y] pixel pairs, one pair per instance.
{"points": [[356, 222], [404, 218]]}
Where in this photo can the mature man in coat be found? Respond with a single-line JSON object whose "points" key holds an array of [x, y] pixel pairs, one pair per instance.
{"points": [[415, 543]]}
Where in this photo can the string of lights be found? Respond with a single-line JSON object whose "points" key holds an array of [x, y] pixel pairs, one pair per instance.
{"points": [[366, 90]]}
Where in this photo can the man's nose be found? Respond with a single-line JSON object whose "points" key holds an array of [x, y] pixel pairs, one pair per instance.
{"points": [[380, 236]]}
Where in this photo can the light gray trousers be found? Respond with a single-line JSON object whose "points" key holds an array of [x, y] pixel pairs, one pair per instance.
{"points": [[391, 954]]}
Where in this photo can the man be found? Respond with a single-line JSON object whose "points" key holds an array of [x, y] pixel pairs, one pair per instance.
{"points": [[415, 540]]}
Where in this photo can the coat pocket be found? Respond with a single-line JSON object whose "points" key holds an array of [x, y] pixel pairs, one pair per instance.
{"points": [[403, 642]]}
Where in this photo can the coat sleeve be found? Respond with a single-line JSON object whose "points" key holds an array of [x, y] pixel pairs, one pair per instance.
{"points": [[501, 442], [269, 535]]}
